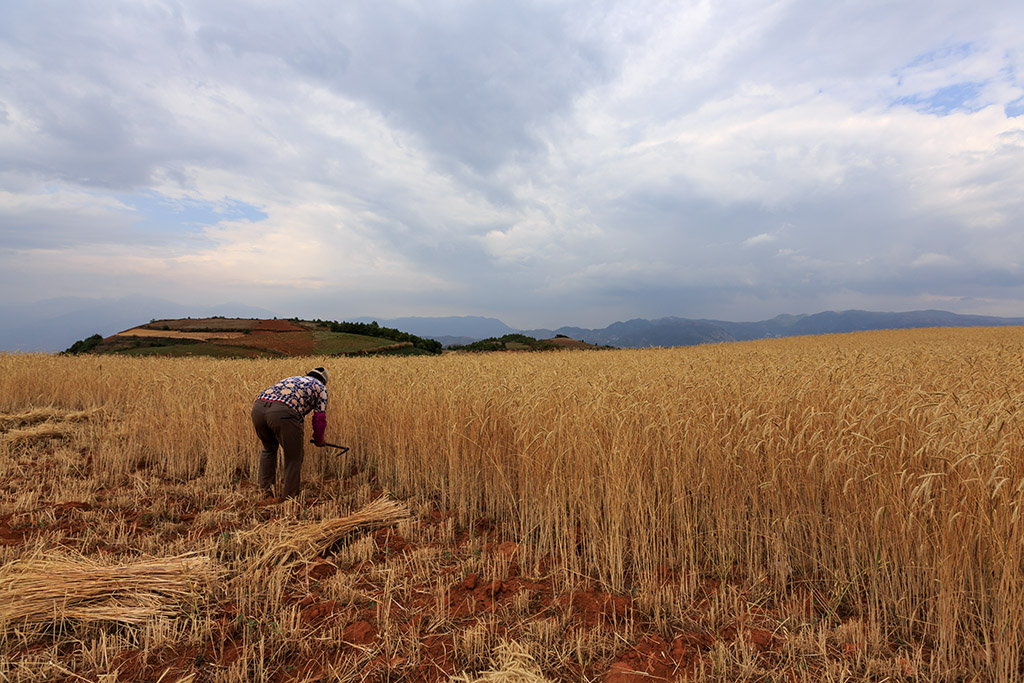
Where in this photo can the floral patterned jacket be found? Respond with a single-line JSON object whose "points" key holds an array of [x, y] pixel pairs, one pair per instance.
{"points": [[303, 394]]}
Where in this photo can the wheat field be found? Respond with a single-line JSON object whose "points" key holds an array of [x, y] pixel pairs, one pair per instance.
{"points": [[843, 507]]}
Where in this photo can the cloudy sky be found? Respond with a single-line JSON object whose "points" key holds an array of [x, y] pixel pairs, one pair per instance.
{"points": [[548, 163]]}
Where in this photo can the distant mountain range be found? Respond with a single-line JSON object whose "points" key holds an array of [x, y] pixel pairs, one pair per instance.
{"points": [[55, 324], [672, 331]]}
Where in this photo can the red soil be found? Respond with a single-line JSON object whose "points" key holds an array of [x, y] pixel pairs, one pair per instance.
{"points": [[277, 326], [645, 653], [9, 535], [290, 343], [650, 658], [185, 324]]}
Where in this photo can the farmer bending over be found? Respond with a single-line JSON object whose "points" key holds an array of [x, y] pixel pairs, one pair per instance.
{"points": [[278, 416]]}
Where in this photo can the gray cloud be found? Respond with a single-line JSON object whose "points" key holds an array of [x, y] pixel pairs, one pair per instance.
{"points": [[561, 163], [471, 80]]}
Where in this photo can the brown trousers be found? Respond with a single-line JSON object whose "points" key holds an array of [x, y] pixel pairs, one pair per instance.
{"points": [[276, 424]]}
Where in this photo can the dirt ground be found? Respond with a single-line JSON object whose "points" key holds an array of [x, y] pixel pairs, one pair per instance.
{"points": [[204, 324]]}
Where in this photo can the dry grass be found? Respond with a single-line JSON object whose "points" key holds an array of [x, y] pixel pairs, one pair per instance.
{"points": [[856, 497]]}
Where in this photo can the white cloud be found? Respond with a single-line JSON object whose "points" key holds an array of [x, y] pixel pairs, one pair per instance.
{"points": [[763, 238]]}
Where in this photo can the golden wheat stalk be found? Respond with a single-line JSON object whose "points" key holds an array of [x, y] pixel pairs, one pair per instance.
{"points": [[284, 541], [49, 588]]}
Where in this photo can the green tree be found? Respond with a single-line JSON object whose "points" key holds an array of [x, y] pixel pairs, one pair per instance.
{"points": [[84, 345]]}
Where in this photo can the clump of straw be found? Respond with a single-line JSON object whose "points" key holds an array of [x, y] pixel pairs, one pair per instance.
{"points": [[48, 589], [25, 430], [35, 434], [284, 542], [511, 663], [10, 421]]}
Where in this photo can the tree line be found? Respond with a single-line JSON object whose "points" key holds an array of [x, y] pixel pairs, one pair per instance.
{"points": [[375, 330]]}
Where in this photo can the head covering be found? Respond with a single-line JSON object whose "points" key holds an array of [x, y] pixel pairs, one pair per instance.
{"points": [[320, 374]]}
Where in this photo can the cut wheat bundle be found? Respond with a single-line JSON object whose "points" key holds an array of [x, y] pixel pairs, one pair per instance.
{"points": [[284, 542], [30, 436], [52, 588], [9, 421]]}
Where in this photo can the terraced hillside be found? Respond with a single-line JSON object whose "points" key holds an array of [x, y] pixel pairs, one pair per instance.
{"points": [[247, 338]]}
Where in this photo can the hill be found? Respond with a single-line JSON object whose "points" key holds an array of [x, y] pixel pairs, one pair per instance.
{"points": [[53, 324], [49, 322], [461, 331], [468, 327], [673, 331], [254, 338], [521, 342]]}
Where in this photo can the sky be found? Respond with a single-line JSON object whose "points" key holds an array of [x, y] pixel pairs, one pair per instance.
{"points": [[546, 163]]}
